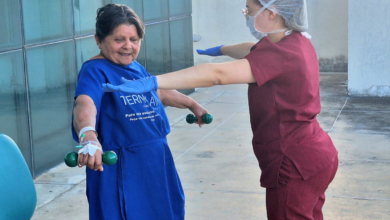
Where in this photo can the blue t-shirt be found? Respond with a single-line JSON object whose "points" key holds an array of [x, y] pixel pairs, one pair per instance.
{"points": [[143, 183], [122, 118]]}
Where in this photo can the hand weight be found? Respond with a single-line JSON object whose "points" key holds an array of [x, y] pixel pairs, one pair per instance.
{"points": [[207, 118], [108, 157]]}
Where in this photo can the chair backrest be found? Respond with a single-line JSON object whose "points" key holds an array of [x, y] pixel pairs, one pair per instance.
{"points": [[18, 197]]}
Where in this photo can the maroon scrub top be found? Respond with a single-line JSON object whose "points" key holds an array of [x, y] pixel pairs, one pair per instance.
{"points": [[283, 106]]}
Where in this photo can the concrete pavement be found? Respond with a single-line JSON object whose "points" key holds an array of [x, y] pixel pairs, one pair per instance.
{"points": [[220, 174]]}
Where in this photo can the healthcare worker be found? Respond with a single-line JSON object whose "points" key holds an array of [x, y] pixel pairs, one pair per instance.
{"points": [[296, 156]]}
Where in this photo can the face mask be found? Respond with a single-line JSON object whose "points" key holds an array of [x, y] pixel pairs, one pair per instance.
{"points": [[250, 23]]}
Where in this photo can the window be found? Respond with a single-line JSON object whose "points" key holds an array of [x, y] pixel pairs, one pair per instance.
{"points": [[51, 81], [47, 20], [10, 30]]}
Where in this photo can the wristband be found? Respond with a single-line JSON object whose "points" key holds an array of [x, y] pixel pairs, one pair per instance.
{"points": [[85, 129]]}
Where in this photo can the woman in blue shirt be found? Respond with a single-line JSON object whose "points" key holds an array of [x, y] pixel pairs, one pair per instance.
{"points": [[144, 183]]}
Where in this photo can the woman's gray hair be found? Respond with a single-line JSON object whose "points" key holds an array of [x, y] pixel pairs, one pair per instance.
{"points": [[112, 15]]}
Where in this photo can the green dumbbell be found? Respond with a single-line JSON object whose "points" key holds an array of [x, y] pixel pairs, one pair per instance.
{"points": [[207, 118], [109, 158]]}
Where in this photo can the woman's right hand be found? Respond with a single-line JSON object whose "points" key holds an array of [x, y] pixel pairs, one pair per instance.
{"points": [[214, 51], [94, 162]]}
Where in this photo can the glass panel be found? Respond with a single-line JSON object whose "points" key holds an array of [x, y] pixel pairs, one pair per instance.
{"points": [[10, 25], [46, 20], [155, 10], [180, 7], [13, 111], [86, 49], [157, 48], [136, 5], [182, 46], [52, 81], [85, 15]]}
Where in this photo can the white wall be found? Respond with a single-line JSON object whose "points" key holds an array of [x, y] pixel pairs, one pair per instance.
{"points": [[369, 48], [218, 22], [328, 25], [221, 22]]}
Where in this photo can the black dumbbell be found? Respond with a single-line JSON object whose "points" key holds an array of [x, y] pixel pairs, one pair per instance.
{"points": [[207, 118], [108, 157]]}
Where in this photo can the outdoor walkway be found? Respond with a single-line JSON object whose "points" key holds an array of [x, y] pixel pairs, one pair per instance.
{"points": [[220, 174]]}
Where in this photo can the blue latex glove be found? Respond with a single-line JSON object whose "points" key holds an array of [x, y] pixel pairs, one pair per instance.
{"points": [[133, 86], [214, 51]]}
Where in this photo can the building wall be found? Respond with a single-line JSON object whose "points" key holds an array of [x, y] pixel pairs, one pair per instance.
{"points": [[221, 22], [328, 25], [218, 22], [42, 47], [369, 48]]}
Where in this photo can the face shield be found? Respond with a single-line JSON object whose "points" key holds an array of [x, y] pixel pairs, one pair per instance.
{"points": [[294, 13]]}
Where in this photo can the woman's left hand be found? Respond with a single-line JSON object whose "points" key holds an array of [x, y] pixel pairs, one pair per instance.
{"points": [[214, 51], [176, 99], [198, 111]]}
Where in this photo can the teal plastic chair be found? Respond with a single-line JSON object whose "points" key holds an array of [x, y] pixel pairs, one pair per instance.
{"points": [[18, 197]]}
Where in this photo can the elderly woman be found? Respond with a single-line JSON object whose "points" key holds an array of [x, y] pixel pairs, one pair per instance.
{"points": [[297, 157], [144, 183]]}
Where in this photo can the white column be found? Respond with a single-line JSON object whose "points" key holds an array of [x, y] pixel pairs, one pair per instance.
{"points": [[369, 48]]}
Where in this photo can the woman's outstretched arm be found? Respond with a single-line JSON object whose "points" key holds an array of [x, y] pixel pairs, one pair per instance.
{"points": [[204, 75], [207, 75], [237, 51]]}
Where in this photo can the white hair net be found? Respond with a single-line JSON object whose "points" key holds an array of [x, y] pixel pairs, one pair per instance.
{"points": [[294, 12]]}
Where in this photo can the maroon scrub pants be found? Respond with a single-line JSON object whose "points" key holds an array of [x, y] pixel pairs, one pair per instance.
{"points": [[296, 198]]}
